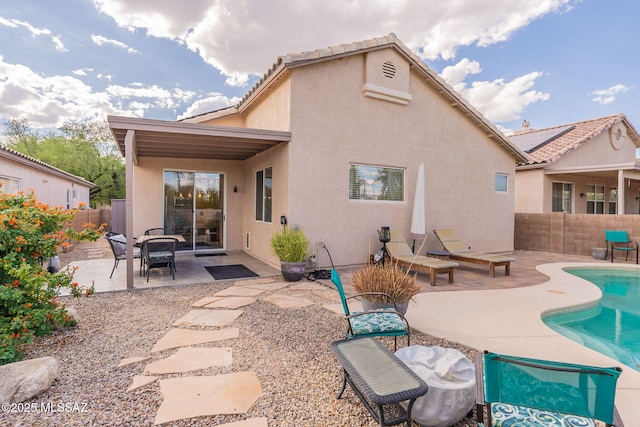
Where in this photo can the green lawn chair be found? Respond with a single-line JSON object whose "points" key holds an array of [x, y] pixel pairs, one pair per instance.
{"points": [[615, 238], [377, 323], [517, 391]]}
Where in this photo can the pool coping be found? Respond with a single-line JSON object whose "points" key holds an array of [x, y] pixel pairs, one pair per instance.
{"points": [[497, 320]]}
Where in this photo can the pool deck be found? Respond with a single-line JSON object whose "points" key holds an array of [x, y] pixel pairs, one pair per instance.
{"points": [[508, 320], [501, 314]]}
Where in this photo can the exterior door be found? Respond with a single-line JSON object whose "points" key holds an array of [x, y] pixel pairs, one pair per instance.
{"points": [[193, 207]]}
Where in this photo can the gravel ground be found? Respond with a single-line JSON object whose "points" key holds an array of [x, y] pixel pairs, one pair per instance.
{"points": [[288, 349]]}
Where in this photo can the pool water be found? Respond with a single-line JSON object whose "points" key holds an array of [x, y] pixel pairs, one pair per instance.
{"points": [[612, 327]]}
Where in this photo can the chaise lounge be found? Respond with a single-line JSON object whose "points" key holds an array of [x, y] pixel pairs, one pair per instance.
{"points": [[461, 252], [400, 252]]}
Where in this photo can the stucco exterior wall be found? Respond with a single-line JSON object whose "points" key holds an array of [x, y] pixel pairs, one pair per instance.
{"points": [[530, 191], [48, 187], [334, 125]]}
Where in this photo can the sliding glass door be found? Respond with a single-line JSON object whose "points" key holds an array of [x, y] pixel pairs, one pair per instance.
{"points": [[194, 208]]}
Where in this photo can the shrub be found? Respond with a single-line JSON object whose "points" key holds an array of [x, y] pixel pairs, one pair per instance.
{"points": [[30, 233], [290, 245], [389, 279]]}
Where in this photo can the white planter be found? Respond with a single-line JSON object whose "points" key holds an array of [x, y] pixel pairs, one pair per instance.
{"points": [[599, 253]]}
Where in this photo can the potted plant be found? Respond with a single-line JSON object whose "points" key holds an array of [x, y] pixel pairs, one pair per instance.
{"points": [[376, 280], [290, 245]]}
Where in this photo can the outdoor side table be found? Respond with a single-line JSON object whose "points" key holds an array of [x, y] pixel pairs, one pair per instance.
{"points": [[378, 378]]}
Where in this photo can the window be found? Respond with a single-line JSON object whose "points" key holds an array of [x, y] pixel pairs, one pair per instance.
{"points": [[376, 183], [562, 197], [264, 190], [595, 199], [501, 184], [9, 185], [613, 200]]}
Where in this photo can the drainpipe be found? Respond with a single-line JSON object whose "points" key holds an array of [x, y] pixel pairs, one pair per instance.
{"points": [[621, 197]]}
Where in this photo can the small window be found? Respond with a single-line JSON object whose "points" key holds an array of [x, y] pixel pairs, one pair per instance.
{"points": [[502, 181], [595, 199], [264, 192], [9, 185], [376, 183], [613, 199]]}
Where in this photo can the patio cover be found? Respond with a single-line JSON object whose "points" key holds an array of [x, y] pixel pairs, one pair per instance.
{"points": [[138, 138]]}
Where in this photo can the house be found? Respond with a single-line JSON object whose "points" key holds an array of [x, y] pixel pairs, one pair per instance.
{"points": [[51, 185], [329, 140], [584, 167]]}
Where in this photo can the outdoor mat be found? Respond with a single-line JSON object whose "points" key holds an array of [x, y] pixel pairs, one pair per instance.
{"points": [[212, 254], [233, 271]]}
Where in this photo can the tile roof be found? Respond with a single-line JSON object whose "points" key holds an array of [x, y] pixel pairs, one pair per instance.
{"points": [[293, 60], [569, 137], [38, 164]]}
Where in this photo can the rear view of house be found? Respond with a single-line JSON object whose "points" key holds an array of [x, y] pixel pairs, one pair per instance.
{"points": [[329, 140]]}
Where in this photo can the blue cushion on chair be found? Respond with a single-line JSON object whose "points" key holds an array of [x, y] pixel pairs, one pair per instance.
{"points": [[381, 321], [505, 415]]}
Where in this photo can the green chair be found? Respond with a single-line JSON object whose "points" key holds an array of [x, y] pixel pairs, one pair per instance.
{"points": [[377, 323], [517, 391], [619, 237]]}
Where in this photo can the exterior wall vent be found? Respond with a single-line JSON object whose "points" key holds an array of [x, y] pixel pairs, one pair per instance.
{"points": [[389, 70], [247, 241]]}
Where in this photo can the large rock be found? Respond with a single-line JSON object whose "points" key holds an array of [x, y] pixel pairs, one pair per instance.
{"points": [[20, 381]]}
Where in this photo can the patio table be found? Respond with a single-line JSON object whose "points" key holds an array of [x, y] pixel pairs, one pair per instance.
{"points": [[378, 378]]}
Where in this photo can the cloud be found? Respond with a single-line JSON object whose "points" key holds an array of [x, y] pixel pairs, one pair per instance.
{"points": [[214, 101], [243, 38], [100, 41], [498, 100], [607, 96], [49, 101], [35, 32]]}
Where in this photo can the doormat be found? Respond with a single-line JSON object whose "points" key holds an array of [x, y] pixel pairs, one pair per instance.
{"points": [[233, 271], [212, 254]]}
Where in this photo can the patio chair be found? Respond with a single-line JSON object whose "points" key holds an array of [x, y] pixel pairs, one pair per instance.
{"points": [[459, 251], [118, 244], [399, 251], [159, 252], [533, 392], [376, 323], [157, 231], [620, 237]]}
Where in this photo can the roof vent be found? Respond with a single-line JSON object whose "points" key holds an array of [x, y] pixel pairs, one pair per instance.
{"points": [[388, 69]]}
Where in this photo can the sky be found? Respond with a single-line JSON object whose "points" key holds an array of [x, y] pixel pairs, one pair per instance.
{"points": [[549, 62]]}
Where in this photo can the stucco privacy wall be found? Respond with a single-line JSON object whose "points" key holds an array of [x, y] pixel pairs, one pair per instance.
{"points": [[334, 125], [148, 192], [570, 233]]}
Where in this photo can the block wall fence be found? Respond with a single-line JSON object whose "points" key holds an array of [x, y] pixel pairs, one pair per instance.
{"points": [[570, 233]]}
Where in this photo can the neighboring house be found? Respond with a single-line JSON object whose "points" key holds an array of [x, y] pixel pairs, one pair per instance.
{"points": [[331, 140], [584, 167], [52, 186]]}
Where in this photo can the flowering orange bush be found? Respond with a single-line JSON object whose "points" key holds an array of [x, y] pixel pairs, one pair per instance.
{"points": [[30, 233]]}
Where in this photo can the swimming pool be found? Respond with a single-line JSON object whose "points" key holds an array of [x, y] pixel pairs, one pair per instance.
{"points": [[611, 327]]}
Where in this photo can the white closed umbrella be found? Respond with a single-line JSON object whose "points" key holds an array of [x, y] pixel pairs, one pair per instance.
{"points": [[418, 220]]}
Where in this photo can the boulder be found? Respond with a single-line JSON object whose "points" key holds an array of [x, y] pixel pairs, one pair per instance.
{"points": [[20, 381]]}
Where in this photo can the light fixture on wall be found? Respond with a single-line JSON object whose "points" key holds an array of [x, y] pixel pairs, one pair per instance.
{"points": [[582, 195], [235, 188], [44, 180]]}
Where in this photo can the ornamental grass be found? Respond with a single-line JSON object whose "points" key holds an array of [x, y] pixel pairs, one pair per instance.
{"points": [[389, 279]]}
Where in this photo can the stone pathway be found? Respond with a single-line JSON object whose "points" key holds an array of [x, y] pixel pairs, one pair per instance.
{"points": [[225, 394]]}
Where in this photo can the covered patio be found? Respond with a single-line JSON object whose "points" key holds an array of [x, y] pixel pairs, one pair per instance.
{"points": [[143, 138]]}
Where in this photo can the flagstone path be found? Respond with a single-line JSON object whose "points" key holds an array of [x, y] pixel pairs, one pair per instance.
{"points": [[225, 394]]}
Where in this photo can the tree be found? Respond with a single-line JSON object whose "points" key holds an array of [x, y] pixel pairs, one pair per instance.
{"points": [[82, 148]]}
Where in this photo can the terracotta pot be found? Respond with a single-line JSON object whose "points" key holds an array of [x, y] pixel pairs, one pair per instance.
{"points": [[401, 307], [292, 271]]}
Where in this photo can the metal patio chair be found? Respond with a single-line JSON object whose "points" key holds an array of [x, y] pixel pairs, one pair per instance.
{"points": [[118, 244], [159, 252]]}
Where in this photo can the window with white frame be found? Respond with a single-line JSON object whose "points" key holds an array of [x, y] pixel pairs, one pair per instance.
{"points": [[9, 185], [613, 200], [502, 183], [595, 199], [562, 197], [264, 192], [368, 182]]}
